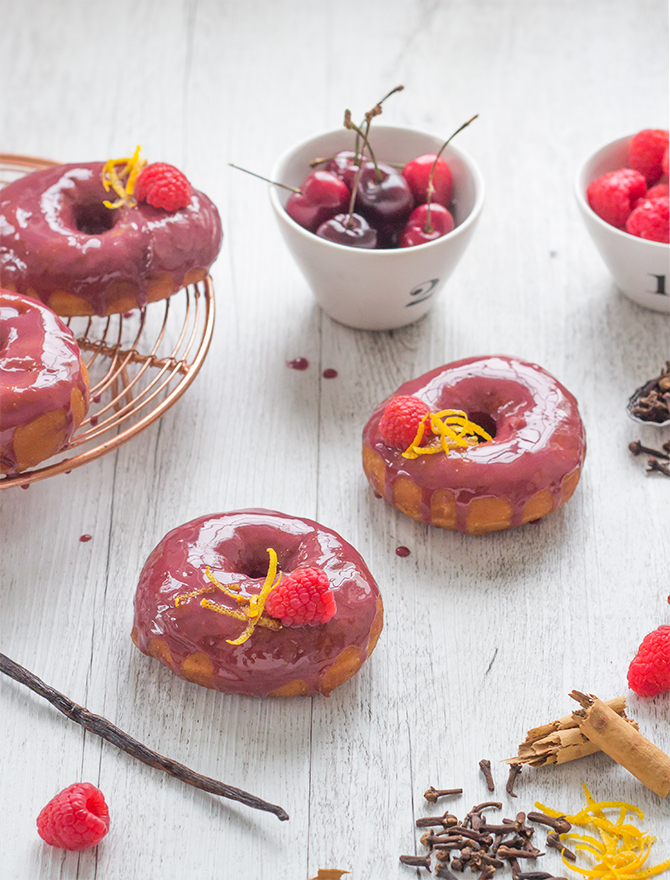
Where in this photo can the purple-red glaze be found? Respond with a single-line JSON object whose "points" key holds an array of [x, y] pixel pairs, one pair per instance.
{"points": [[234, 546], [539, 435], [39, 367], [56, 234]]}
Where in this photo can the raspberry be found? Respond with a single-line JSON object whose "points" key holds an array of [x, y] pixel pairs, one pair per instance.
{"points": [[302, 597], [649, 673], [646, 153], [650, 219], [658, 191], [75, 819], [612, 195], [400, 421], [665, 161], [163, 186]]}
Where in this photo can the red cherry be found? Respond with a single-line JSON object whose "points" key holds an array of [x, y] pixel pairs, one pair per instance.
{"points": [[419, 231], [342, 166], [321, 196], [349, 229], [386, 202], [417, 172]]}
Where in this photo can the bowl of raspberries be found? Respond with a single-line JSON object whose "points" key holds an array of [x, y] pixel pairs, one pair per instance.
{"points": [[622, 192], [374, 248]]}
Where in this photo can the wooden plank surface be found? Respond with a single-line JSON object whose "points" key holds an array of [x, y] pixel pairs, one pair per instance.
{"points": [[485, 636]]}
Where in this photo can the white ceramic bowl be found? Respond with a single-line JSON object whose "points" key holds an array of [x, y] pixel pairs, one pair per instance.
{"points": [[640, 268], [378, 289]]}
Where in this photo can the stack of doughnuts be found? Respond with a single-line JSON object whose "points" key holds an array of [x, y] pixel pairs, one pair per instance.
{"points": [[44, 394]]}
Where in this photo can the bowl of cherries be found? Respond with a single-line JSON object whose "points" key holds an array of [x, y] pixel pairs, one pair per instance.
{"points": [[376, 219], [622, 193]]}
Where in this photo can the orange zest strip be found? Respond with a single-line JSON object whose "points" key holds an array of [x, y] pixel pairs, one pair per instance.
{"points": [[253, 607], [452, 428], [257, 603], [268, 622], [622, 850], [122, 181]]}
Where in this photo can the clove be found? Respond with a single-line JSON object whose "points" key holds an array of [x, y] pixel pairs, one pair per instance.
{"points": [[558, 823], [416, 861], [442, 870], [514, 771], [485, 767], [433, 793], [637, 449], [653, 464], [555, 842]]}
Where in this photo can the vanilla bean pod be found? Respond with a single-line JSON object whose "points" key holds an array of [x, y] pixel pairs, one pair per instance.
{"points": [[106, 730]]}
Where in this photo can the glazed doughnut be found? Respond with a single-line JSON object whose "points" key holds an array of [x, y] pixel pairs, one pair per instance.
{"points": [[216, 564], [60, 244], [43, 383], [530, 467]]}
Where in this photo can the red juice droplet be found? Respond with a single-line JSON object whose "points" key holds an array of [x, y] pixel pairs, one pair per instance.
{"points": [[25, 485], [377, 495], [96, 398], [402, 551], [330, 373], [85, 538], [94, 421], [299, 363]]}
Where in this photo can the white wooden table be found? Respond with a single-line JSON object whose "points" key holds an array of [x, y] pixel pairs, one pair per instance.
{"points": [[484, 636]]}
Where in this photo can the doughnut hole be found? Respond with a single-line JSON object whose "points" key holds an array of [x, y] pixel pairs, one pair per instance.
{"points": [[253, 560], [93, 218], [486, 421]]}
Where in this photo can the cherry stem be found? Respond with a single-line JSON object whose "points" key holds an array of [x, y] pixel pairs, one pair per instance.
{"points": [[428, 228], [349, 124], [293, 189], [376, 110]]}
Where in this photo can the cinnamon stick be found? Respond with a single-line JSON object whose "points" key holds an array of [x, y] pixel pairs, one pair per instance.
{"points": [[627, 746], [561, 740]]}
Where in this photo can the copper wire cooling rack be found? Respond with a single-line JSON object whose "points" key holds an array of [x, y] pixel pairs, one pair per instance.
{"points": [[139, 364]]}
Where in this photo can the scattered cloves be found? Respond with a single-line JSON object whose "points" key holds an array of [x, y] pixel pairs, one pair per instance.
{"points": [[485, 767]]}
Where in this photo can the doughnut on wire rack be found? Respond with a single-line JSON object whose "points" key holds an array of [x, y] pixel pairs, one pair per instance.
{"points": [[139, 363]]}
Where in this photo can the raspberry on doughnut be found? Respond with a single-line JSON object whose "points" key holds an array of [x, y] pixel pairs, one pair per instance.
{"points": [[257, 602], [44, 394], [508, 447], [62, 241]]}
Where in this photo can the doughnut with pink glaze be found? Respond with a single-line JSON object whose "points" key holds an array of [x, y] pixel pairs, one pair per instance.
{"points": [[530, 467], [175, 620], [44, 393], [60, 244]]}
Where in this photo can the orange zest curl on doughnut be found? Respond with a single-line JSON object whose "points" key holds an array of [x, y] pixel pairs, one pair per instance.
{"points": [[622, 849], [122, 180], [453, 429], [253, 606]]}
